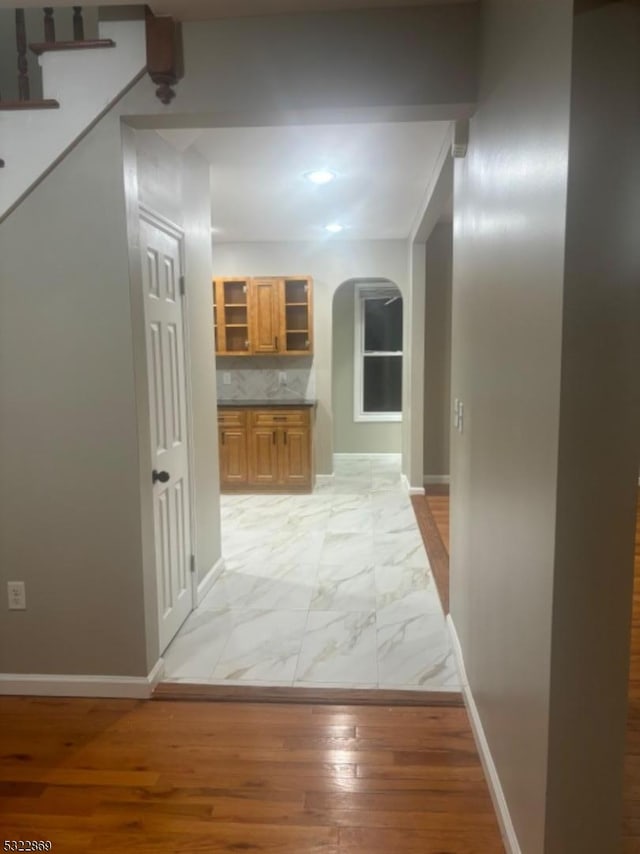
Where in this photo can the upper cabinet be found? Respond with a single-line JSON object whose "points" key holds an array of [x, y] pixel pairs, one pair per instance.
{"points": [[263, 316]]}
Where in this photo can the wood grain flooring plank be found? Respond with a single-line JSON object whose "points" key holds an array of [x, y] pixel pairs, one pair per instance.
{"points": [[273, 779]]}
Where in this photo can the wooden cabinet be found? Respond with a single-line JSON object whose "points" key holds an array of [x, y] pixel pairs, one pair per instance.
{"points": [[277, 451], [231, 316], [232, 444], [263, 316]]}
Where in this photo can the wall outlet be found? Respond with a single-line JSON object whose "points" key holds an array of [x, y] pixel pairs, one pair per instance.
{"points": [[226, 378], [17, 595], [282, 377]]}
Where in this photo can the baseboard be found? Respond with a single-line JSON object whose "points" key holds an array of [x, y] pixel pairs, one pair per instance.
{"points": [[324, 478], [347, 456], [411, 490], [54, 685], [491, 773], [209, 580], [433, 479]]}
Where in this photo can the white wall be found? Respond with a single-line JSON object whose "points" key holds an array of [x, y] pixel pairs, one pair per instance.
{"points": [[330, 263]]}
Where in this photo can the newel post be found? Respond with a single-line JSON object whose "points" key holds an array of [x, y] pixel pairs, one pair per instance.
{"points": [[164, 54]]}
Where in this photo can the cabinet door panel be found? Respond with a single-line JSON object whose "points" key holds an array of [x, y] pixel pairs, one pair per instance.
{"points": [[263, 457], [265, 330], [233, 456], [296, 458]]}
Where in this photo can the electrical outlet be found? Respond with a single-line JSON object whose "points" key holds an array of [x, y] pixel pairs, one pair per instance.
{"points": [[226, 378], [17, 595], [282, 377]]}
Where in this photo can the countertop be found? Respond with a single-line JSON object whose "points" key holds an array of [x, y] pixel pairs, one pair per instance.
{"points": [[290, 402]]}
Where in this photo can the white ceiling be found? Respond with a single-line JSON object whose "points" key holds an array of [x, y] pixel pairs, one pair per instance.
{"points": [[259, 192], [201, 10]]}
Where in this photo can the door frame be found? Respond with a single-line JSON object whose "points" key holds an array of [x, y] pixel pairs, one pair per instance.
{"points": [[148, 215]]}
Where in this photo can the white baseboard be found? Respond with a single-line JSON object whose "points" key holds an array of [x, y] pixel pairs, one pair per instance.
{"points": [[389, 455], [491, 773], [209, 580], [433, 479], [54, 685], [411, 490]]}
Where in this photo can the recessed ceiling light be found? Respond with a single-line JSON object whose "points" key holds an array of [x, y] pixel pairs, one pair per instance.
{"points": [[334, 227], [320, 176]]}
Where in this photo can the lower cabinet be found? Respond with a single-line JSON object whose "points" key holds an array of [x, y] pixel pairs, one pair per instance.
{"points": [[265, 449]]}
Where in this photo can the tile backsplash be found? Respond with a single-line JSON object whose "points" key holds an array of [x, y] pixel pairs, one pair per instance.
{"points": [[257, 378]]}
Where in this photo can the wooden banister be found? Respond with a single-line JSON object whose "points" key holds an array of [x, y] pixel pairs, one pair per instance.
{"points": [[23, 67], [164, 54]]}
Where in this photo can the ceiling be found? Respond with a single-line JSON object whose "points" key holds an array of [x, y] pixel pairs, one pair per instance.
{"points": [[259, 192], [201, 10]]}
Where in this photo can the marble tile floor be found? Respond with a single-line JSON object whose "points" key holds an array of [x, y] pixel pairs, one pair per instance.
{"points": [[331, 589]]}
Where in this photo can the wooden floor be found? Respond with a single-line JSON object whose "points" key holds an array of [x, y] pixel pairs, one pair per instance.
{"points": [[432, 514], [162, 776], [631, 826]]}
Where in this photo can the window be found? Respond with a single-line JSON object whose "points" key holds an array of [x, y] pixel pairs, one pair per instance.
{"points": [[378, 353]]}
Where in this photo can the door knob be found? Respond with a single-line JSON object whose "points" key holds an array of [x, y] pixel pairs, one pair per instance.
{"points": [[162, 476]]}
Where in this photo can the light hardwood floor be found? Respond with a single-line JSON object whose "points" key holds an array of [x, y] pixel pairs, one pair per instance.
{"points": [[160, 776]]}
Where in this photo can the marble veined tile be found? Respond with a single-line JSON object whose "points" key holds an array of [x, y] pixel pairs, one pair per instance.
{"points": [[404, 591], [356, 521], [263, 647], [404, 548], [338, 647], [392, 517], [289, 591], [302, 544], [195, 650], [343, 548], [416, 652], [231, 590], [344, 588]]}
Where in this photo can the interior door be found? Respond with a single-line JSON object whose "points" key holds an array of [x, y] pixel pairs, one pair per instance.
{"points": [[161, 266]]}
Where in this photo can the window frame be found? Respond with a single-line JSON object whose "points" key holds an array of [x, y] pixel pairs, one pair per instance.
{"points": [[361, 294]]}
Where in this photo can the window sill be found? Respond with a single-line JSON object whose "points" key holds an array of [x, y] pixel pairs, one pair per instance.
{"points": [[378, 417]]}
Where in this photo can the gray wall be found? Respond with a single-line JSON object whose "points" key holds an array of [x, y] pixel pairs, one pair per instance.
{"points": [[70, 517], [599, 437], [349, 436], [437, 350], [508, 270], [545, 356]]}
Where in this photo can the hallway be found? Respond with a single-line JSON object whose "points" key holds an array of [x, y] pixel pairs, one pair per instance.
{"points": [[331, 589]]}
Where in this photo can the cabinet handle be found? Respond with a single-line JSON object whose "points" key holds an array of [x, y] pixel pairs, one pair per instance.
{"points": [[284, 433], [223, 437], [246, 344], [273, 436], [279, 417], [276, 342]]}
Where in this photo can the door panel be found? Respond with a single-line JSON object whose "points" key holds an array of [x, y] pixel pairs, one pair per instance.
{"points": [[169, 448], [265, 315], [263, 457], [296, 470], [233, 456]]}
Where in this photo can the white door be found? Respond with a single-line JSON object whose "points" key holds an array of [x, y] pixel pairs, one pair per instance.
{"points": [[161, 271]]}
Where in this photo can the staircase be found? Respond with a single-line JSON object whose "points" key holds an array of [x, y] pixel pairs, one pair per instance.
{"points": [[59, 87]]}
